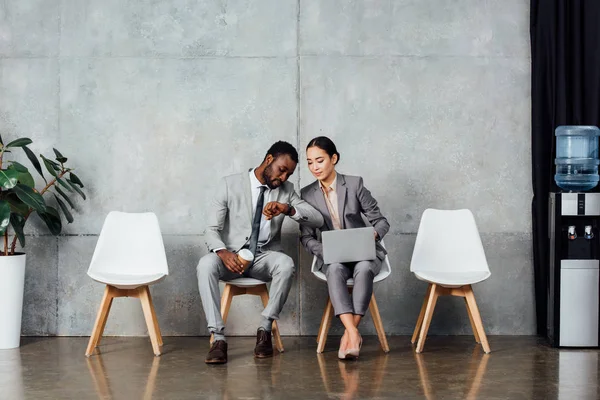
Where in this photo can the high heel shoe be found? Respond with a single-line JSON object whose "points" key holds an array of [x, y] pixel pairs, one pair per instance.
{"points": [[352, 354]]}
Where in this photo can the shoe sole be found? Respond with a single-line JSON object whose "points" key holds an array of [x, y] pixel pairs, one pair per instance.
{"points": [[215, 361], [263, 355]]}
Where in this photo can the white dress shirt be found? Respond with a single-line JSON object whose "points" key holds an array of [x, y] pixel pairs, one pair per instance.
{"points": [[265, 226]]}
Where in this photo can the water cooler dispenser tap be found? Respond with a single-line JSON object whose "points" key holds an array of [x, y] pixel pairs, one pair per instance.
{"points": [[588, 232], [571, 234]]}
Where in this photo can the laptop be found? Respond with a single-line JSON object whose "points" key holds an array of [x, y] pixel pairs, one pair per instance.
{"points": [[348, 245]]}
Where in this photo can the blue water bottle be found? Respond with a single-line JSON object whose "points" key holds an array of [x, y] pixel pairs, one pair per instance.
{"points": [[577, 157]]}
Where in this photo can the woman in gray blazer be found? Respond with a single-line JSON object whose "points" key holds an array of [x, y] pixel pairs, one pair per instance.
{"points": [[343, 200]]}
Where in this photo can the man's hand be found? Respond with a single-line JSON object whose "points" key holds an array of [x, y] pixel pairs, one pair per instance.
{"points": [[231, 261], [376, 235], [274, 208]]}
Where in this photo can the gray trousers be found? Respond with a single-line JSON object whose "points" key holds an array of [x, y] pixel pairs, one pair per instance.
{"points": [[363, 273], [270, 266]]}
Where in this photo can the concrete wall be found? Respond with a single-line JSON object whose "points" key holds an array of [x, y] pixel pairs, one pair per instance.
{"points": [[152, 101]]}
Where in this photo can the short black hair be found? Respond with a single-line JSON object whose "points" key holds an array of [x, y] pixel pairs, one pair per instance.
{"points": [[281, 148], [325, 144]]}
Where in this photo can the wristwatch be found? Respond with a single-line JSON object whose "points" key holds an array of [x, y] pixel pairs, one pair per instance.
{"points": [[290, 209]]}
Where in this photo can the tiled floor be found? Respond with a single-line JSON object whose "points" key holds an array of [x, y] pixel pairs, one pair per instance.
{"points": [[450, 368]]}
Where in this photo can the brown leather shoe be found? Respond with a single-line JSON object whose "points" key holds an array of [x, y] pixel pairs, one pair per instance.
{"points": [[264, 345], [217, 353]]}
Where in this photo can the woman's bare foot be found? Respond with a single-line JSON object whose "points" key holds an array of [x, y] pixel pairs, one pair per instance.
{"points": [[354, 340], [344, 341]]}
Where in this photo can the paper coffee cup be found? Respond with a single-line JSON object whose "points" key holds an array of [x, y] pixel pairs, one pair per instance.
{"points": [[246, 257]]}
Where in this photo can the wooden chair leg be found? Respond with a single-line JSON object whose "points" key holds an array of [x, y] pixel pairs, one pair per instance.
{"points": [[113, 294], [322, 322], [226, 300], [415, 335], [155, 320], [374, 309], [327, 317], [433, 295], [470, 297], [100, 323], [264, 297], [144, 295], [475, 333]]}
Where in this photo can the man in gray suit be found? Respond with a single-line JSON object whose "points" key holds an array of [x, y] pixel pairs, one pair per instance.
{"points": [[247, 212]]}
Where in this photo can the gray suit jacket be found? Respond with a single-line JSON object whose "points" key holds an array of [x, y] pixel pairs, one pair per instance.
{"points": [[230, 219], [354, 201]]}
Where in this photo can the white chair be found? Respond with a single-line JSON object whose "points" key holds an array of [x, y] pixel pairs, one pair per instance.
{"points": [[328, 313], [251, 286], [448, 254], [129, 256]]}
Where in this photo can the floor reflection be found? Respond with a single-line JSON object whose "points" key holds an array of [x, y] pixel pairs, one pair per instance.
{"points": [[577, 374], [101, 377], [476, 371], [11, 376], [361, 378]]}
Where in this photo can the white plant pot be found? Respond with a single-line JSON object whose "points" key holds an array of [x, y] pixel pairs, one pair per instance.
{"points": [[12, 285]]}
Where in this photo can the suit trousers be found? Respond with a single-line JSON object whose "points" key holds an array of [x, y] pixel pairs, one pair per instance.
{"points": [[269, 266], [363, 273]]}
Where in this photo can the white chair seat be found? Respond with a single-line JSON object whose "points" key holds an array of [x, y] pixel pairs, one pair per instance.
{"points": [[452, 279], [245, 282], [125, 281]]}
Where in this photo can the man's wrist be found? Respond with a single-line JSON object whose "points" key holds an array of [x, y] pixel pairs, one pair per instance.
{"points": [[290, 210]]}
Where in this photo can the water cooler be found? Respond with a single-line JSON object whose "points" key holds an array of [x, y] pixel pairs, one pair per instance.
{"points": [[574, 276], [574, 239]]}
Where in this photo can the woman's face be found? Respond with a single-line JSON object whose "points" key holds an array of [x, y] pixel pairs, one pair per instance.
{"points": [[319, 163]]}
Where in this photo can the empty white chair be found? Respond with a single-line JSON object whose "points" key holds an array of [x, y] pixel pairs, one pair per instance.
{"points": [[448, 254], [239, 286], [328, 313], [129, 256]]}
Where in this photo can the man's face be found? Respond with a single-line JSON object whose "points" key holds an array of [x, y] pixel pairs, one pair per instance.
{"points": [[278, 170]]}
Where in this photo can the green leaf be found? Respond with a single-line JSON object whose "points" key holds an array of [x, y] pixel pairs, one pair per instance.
{"points": [[18, 167], [18, 223], [1, 141], [30, 197], [49, 166], [75, 179], [26, 179], [65, 196], [74, 186], [64, 209], [55, 165], [63, 184], [20, 142], [33, 159], [8, 178], [16, 205], [59, 157], [4, 216], [52, 220]]}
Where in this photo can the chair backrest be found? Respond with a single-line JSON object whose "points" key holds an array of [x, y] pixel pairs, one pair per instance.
{"points": [[386, 268], [448, 240], [130, 243]]}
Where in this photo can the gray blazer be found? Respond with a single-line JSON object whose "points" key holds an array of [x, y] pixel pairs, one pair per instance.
{"points": [[230, 219], [354, 201]]}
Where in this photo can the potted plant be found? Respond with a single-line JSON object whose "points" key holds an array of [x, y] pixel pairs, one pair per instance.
{"points": [[19, 199]]}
